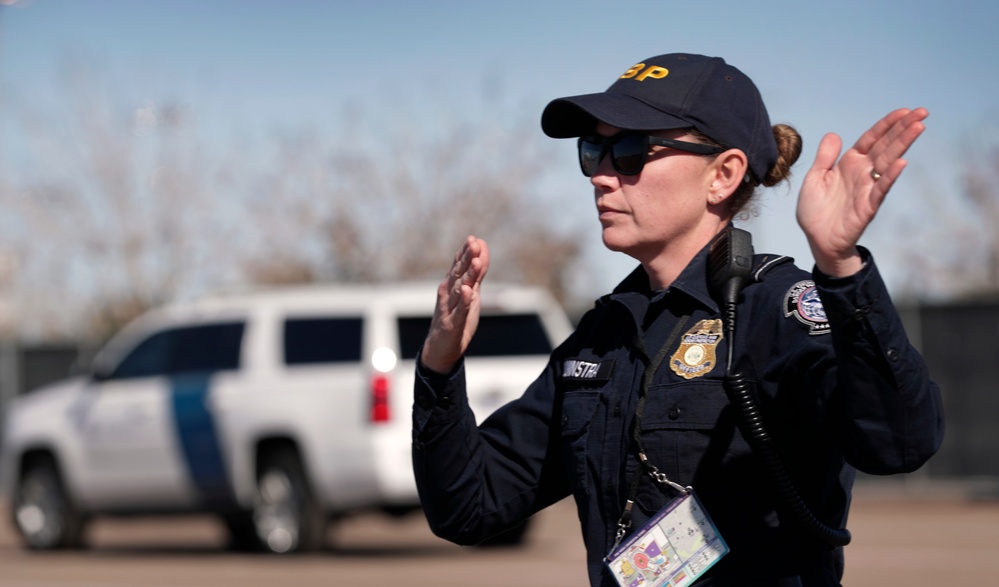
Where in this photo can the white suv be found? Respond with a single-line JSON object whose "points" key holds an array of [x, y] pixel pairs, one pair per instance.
{"points": [[277, 410]]}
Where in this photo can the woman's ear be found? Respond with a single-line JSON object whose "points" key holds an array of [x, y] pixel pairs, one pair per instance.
{"points": [[727, 172]]}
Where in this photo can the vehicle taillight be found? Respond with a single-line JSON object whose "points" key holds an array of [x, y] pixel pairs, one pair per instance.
{"points": [[380, 387]]}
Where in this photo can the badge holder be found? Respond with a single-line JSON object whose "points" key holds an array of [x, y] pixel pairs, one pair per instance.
{"points": [[678, 544], [674, 548]]}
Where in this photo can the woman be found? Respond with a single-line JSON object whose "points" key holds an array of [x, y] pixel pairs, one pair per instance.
{"points": [[674, 149]]}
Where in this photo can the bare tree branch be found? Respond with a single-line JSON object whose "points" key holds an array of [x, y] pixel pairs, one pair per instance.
{"points": [[122, 207]]}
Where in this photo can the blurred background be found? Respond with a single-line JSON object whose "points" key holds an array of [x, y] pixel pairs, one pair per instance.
{"points": [[156, 151]]}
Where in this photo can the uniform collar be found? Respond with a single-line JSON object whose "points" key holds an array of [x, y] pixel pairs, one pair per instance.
{"points": [[692, 281]]}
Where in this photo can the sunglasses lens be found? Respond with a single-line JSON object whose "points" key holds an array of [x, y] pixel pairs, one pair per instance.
{"points": [[590, 154], [628, 154]]}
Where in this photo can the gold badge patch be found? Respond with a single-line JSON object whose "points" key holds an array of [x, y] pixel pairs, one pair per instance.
{"points": [[696, 355]]}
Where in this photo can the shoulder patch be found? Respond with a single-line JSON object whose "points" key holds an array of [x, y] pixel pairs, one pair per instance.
{"points": [[802, 301]]}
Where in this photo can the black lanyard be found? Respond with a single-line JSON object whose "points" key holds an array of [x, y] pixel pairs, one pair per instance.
{"points": [[651, 366]]}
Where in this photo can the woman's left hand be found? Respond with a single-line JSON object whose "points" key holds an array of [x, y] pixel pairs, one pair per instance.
{"points": [[839, 199]]}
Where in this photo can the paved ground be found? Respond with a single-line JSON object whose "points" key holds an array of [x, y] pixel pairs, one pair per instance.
{"points": [[901, 537]]}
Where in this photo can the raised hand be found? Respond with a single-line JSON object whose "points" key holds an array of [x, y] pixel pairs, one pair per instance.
{"points": [[456, 316], [839, 198]]}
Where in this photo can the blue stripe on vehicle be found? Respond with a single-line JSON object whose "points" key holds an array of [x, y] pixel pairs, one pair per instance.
{"points": [[199, 440]]}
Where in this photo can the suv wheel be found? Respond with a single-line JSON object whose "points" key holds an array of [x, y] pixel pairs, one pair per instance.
{"points": [[42, 512], [286, 516]]}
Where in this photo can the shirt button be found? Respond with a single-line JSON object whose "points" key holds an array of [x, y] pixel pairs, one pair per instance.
{"points": [[674, 413], [892, 354], [445, 402], [424, 401]]}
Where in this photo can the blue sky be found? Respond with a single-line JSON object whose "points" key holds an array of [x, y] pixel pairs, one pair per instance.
{"points": [[252, 67]]}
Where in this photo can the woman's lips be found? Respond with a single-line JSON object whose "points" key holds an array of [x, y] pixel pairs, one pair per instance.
{"points": [[606, 213]]}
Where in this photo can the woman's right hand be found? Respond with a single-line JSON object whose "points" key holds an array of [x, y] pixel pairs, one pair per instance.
{"points": [[456, 316]]}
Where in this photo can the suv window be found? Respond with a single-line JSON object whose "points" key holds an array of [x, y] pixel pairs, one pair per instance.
{"points": [[189, 349], [322, 340], [498, 335]]}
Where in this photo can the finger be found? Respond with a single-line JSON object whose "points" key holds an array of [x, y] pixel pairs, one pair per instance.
{"points": [[468, 251], [449, 292], [897, 142], [470, 268], [879, 130], [887, 155], [827, 153], [480, 264], [903, 133], [883, 184], [465, 271]]}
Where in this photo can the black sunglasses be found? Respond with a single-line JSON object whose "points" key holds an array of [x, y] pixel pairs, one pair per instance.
{"points": [[630, 150]]}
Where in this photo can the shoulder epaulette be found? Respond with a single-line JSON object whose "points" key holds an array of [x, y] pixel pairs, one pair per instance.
{"points": [[764, 263]]}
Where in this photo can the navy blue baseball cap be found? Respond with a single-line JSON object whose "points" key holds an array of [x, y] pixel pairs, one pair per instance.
{"points": [[673, 91]]}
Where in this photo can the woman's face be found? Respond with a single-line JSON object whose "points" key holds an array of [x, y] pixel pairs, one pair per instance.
{"points": [[664, 205]]}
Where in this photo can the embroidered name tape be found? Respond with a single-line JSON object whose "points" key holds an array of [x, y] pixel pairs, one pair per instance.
{"points": [[580, 370], [802, 301]]}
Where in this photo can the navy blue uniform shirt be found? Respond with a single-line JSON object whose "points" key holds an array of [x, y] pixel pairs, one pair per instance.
{"points": [[839, 386]]}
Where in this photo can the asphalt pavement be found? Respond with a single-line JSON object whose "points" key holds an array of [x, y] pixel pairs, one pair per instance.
{"points": [[903, 535]]}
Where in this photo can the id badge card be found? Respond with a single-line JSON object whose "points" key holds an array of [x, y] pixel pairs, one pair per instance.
{"points": [[674, 548]]}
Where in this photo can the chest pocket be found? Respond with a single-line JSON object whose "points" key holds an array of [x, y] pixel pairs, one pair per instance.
{"points": [[579, 409], [694, 405], [577, 412], [689, 432], [581, 385]]}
